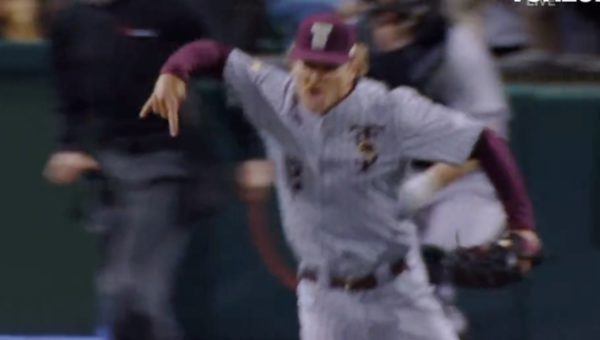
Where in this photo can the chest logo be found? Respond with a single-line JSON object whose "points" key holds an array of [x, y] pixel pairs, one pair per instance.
{"points": [[364, 136]]}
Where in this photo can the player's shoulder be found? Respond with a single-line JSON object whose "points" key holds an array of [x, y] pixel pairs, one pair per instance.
{"points": [[377, 95], [405, 104], [258, 80], [371, 86], [376, 92], [372, 93], [401, 97], [369, 96], [255, 67], [381, 103]]}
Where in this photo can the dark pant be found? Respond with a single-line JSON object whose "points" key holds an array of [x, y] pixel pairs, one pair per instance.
{"points": [[144, 225]]}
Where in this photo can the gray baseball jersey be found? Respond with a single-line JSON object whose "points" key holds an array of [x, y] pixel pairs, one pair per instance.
{"points": [[337, 174]]}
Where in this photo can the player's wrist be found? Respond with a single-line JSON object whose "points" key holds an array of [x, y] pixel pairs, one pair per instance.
{"points": [[429, 182], [419, 190], [174, 77], [174, 72], [446, 174]]}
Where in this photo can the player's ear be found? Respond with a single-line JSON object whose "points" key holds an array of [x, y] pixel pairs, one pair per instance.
{"points": [[359, 61]]}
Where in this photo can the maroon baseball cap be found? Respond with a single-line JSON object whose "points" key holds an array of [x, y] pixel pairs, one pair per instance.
{"points": [[324, 38]]}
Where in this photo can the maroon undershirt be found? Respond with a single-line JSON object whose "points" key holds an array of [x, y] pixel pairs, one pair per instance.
{"points": [[497, 162], [205, 57], [208, 57]]}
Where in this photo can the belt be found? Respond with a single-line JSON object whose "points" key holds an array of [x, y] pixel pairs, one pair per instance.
{"points": [[366, 282]]}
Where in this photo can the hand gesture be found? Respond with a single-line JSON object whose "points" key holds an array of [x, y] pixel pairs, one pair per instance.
{"points": [[165, 101]]}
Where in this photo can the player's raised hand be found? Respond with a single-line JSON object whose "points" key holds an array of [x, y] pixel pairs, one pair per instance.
{"points": [[169, 92]]}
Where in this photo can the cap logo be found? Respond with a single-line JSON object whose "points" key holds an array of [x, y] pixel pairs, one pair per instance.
{"points": [[320, 35]]}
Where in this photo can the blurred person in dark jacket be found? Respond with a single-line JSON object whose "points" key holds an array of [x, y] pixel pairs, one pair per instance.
{"points": [[154, 188], [236, 22]]}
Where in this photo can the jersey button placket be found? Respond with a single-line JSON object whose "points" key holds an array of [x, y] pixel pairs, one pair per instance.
{"points": [[325, 134], [318, 147]]}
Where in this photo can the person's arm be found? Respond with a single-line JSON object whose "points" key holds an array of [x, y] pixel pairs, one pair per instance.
{"points": [[261, 88], [433, 132], [497, 162], [470, 84], [69, 161], [205, 57], [71, 107], [420, 189]]}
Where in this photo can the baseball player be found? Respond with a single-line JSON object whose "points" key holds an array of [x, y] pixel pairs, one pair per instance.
{"points": [[339, 144]]}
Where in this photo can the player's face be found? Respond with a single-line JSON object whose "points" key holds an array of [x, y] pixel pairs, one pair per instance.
{"points": [[321, 86]]}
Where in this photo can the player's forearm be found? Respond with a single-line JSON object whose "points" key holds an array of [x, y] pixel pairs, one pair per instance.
{"points": [[496, 160], [206, 57], [446, 173], [420, 189]]}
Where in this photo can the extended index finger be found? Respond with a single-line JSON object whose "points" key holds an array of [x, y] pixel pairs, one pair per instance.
{"points": [[147, 108], [173, 112]]}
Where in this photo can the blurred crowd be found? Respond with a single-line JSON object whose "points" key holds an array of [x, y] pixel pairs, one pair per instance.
{"points": [[548, 41], [506, 25]]}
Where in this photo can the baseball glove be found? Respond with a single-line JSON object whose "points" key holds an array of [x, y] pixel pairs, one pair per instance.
{"points": [[490, 266]]}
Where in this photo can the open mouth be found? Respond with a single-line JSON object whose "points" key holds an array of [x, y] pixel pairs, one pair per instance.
{"points": [[314, 91], [314, 96]]}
